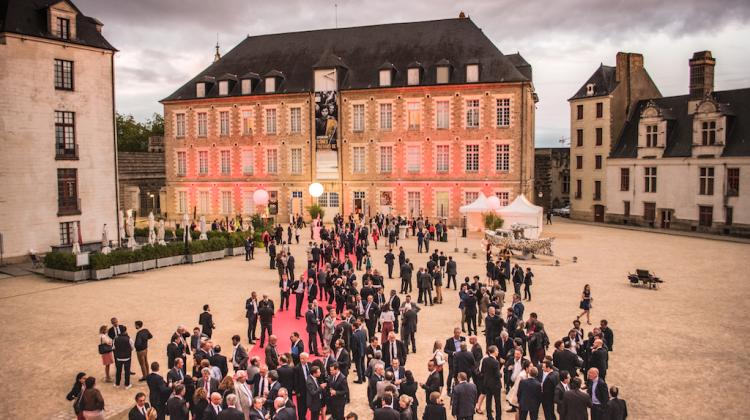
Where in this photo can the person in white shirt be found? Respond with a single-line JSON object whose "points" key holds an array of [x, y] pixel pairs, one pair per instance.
{"points": [[244, 393]]}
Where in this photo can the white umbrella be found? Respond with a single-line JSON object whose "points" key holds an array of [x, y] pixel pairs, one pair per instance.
{"points": [[131, 230], [122, 225], [105, 240], [186, 227], [160, 235], [151, 233], [203, 236], [76, 245]]}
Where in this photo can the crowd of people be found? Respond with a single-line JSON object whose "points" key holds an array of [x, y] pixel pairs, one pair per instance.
{"points": [[354, 328]]}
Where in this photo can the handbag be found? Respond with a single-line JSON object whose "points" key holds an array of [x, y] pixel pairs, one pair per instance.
{"points": [[104, 348], [580, 305]]}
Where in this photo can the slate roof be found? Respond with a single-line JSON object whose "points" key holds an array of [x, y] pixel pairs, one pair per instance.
{"points": [[521, 64], [604, 80], [361, 52], [734, 103], [29, 17]]}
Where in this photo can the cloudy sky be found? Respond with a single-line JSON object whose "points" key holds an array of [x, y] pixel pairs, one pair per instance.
{"points": [[164, 43]]}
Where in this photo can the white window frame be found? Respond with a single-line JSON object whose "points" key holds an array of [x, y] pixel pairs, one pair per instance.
{"points": [[442, 158], [502, 157], [226, 162], [472, 73], [470, 197], [650, 179], [271, 118], [385, 110], [473, 112], [203, 162], [223, 87], [502, 112], [504, 197], [247, 86], [412, 76], [413, 115], [226, 202], [248, 162], [204, 201], [224, 118], [359, 154], [385, 77], [413, 203], [472, 158], [182, 204], [179, 121], [247, 122], [181, 163], [386, 159], [447, 208], [442, 116], [295, 119], [296, 160], [272, 161], [202, 122], [200, 90], [358, 118], [270, 84], [413, 158]]}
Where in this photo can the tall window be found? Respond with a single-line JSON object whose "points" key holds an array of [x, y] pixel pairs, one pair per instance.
{"points": [[204, 202], [599, 110], [414, 115], [733, 182], [503, 112], [296, 161], [224, 123], [63, 28], [386, 116], [598, 162], [358, 159], [650, 179], [200, 90], [624, 179], [579, 162], [599, 136], [202, 124], [443, 157], [597, 190], [226, 162], [705, 215], [442, 110], [649, 211], [385, 77], [708, 132], [272, 161], [179, 125], [652, 135], [413, 158], [181, 164], [358, 115], [65, 134], [504, 197], [223, 87], [579, 188], [386, 159], [247, 86], [182, 202], [442, 203], [579, 137], [502, 157], [247, 162], [472, 73], [203, 162], [579, 112], [271, 121], [226, 202], [63, 75], [66, 232], [329, 199], [472, 158], [414, 202], [626, 208], [706, 181], [247, 122], [472, 113], [470, 197], [67, 191], [295, 120]]}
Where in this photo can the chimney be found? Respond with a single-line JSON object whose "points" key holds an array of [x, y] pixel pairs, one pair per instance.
{"points": [[701, 74], [627, 64]]}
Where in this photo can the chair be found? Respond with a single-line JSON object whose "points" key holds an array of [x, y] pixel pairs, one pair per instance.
{"points": [[35, 261]]}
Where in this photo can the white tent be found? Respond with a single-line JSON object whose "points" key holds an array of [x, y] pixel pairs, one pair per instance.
{"points": [[474, 213], [522, 212]]}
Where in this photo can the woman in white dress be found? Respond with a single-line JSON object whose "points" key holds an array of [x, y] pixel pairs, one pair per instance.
{"points": [[329, 324]]}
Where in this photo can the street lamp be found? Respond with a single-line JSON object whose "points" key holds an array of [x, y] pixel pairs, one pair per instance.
{"points": [[153, 201], [316, 189]]}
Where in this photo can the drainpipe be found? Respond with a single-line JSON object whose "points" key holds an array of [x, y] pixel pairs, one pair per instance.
{"points": [[114, 139], [523, 131]]}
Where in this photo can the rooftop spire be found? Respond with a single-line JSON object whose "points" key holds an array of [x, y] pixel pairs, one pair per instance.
{"points": [[217, 55]]}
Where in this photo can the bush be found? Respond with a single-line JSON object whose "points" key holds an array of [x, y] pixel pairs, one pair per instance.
{"points": [[121, 256], [315, 211], [61, 261], [99, 261], [492, 221]]}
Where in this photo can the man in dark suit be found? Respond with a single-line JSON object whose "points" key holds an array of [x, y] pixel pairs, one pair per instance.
{"points": [[343, 358], [286, 373], [371, 315], [315, 391], [599, 358], [297, 347], [177, 406], [598, 391], [463, 361], [405, 273], [158, 391], [504, 345], [569, 361], [409, 327], [616, 408], [464, 398], [386, 411], [219, 360], [433, 383], [549, 378], [359, 347], [231, 412], [272, 255], [176, 375], [394, 349], [138, 412], [491, 381], [206, 321], [207, 382], [338, 393], [285, 289], [452, 345], [312, 289], [575, 403], [272, 353], [261, 382], [301, 374], [469, 304], [395, 303], [562, 387], [239, 355], [608, 334], [123, 352], [251, 313], [389, 258], [265, 314], [530, 395], [298, 287], [450, 269], [311, 326]]}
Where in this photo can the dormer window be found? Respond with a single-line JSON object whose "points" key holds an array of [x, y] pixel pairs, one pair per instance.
{"points": [[413, 76], [63, 28], [224, 88], [443, 74], [652, 135], [385, 77], [589, 89], [247, 86], [472, 73], [270, 84], [200, 90], [708, 133]]}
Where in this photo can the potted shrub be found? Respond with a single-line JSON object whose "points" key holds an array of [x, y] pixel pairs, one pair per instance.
{"points": [[136, 260], [236, 243], [62, 265], [170, 254], [315, 211], [120, 260], [148, 256], [492, 221], [101, 266]]}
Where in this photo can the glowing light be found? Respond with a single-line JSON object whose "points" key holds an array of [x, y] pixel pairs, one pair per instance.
{"points": [[316, 189], [260, 197]]}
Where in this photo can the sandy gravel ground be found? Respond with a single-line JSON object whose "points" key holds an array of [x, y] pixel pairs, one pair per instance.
{"points": [[672, 346]]}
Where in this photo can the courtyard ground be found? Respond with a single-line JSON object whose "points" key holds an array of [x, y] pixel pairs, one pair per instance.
{"points": [[674, 348]]}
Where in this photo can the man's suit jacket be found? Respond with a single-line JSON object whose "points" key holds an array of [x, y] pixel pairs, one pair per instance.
{"points": [[616, 409], [173, 352], [210, 414], [300, 382], [463, 361], [220, 361], [296, 350], [135, 413], [344, 360], [432, 384], [312, 292], [569, 361], [314, 398], [491, 374], [174, 375], [400, 352], [255, 415], [549, 386], [177, 409], [286, 376], [213, 385], [341, 387], [230, 413], [598, 359], [464, 399], [575, 405], [602, 391], [272, 357], [206, 321], [401, 372], [529, 394], [450, 347], [386, 413], [158, 391], [559, 394], [256, 385], [504, 348], [240, 357], [286, 413], [359, 343]]}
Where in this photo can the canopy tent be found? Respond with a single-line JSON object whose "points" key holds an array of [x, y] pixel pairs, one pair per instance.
{"points": [[474, 213], [522, 212]]}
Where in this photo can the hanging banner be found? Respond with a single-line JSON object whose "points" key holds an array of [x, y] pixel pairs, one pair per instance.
{"points": [[327, 117]]}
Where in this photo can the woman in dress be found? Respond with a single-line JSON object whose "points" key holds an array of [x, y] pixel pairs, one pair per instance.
{"points": [[92, 402], [108, 357], [375, 235], [387, 318], [439, 358], [329, 324], [585, 305], [512, 396]]}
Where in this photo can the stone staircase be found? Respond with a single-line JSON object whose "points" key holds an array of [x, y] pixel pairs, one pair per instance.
{"points": [[327, 165]]}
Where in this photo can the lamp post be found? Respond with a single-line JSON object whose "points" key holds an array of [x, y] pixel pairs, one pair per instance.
{"points": [[153, 201]]}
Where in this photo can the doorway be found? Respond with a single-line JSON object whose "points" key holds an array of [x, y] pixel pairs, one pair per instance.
{"points": [[666, 219], [599, 213]]}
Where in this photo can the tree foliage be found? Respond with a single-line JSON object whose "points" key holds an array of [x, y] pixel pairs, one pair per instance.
{"points": [[132, 135]]}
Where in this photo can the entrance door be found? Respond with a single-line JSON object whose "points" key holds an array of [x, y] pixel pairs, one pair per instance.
{"points": [[599, 213], [359, 202], [666, 218]]}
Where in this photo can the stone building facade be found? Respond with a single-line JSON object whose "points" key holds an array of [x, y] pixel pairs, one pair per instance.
{"points": [[598, 112], [57, 137], [142, 179], [418, 131], [683, 162], [552, 177]]}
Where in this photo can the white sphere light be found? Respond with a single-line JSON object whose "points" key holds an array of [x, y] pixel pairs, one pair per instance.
{"points": [[493, 202], [260, 197], [316, 189]]}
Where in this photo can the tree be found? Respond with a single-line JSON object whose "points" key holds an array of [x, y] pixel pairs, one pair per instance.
{"points": [[132, 135]]}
